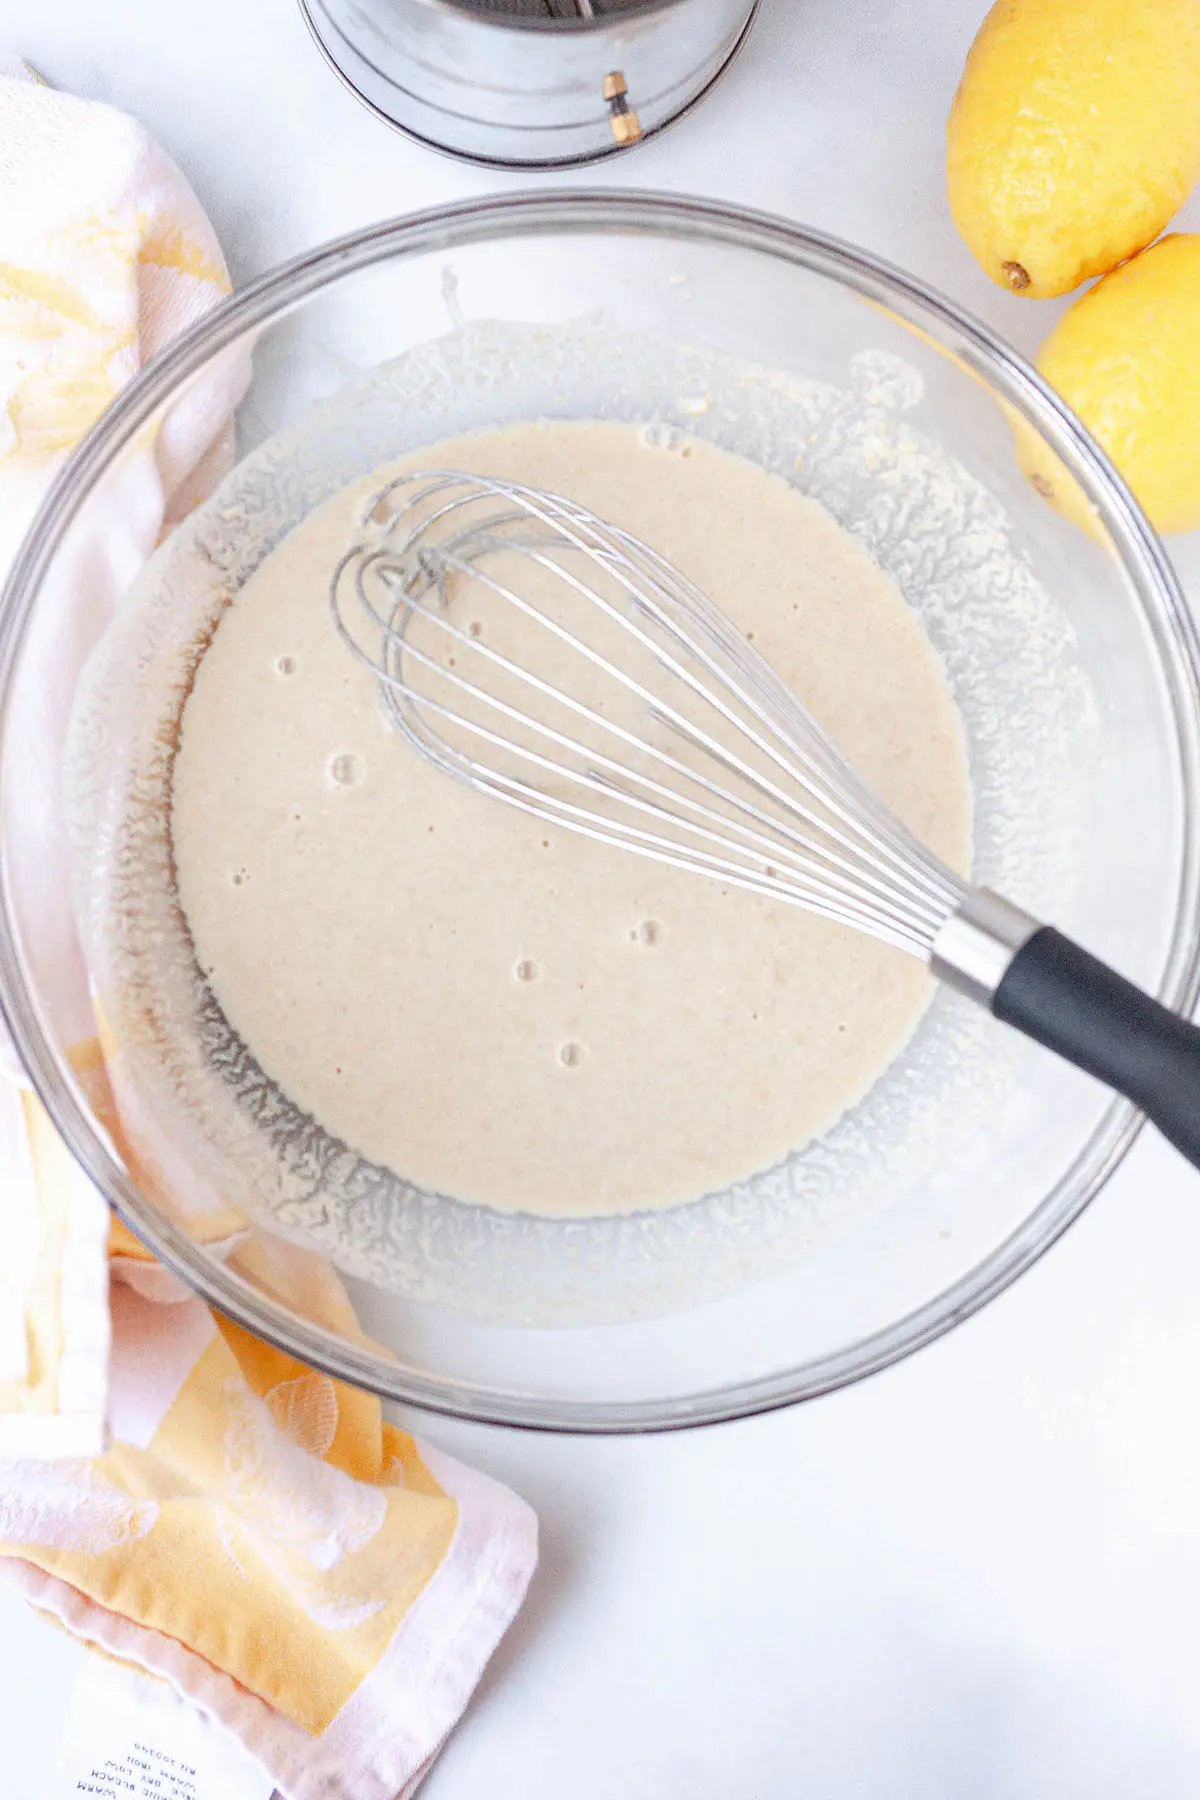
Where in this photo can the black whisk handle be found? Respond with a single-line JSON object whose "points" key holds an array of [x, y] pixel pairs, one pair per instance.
{"points": [[1074, 1004]]}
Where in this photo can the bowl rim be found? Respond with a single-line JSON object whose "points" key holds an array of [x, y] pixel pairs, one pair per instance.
{"points": [[541, 212]]}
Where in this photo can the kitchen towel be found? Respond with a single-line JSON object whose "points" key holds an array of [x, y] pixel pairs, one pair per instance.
{"points": [[105, 255], [173, 1490]]}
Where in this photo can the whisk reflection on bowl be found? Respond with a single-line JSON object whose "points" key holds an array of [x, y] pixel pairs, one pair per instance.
{"points": [[547, 658]]}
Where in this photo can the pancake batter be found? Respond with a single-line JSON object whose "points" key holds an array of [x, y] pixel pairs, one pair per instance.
{"points": [[514, 1015]]}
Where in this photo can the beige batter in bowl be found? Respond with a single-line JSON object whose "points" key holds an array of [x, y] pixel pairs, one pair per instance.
{"points": [[510, 1014]]}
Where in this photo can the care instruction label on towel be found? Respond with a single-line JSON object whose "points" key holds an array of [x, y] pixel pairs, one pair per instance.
{"points": [[130, 1738]]}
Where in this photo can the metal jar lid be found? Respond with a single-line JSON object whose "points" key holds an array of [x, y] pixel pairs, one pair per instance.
{"points": [[529, 83]]}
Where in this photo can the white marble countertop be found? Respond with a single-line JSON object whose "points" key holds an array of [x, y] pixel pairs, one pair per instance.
{"points": [[977, 1575]]}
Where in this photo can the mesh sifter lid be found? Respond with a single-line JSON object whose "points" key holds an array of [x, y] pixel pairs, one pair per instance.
{"points": [[567, 10]]}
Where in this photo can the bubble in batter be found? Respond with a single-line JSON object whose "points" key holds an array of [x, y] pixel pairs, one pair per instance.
{"points": [[347, 770]]}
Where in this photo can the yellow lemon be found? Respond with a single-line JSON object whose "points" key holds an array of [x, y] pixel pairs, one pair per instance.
{"points": [[1074, 137], [1126, 357]]}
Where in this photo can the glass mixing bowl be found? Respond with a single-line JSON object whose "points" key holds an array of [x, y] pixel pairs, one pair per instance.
{"points": [[1070, 654]]}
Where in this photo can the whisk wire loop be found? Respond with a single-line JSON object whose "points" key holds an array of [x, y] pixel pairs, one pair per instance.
{"points": [[608, 776], [763, 800]]}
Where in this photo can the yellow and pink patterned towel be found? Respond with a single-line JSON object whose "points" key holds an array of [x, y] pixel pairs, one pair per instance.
{"points": [[173, 1490]]}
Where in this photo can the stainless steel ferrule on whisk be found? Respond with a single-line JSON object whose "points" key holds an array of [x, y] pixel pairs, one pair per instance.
{"points": [[542, 656]]}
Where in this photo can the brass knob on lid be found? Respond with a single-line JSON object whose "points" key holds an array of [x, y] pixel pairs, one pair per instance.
{"points": [[626, 126]]}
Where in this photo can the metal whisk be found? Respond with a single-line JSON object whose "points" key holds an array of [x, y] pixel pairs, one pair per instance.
{"points": [[542, 656]]}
